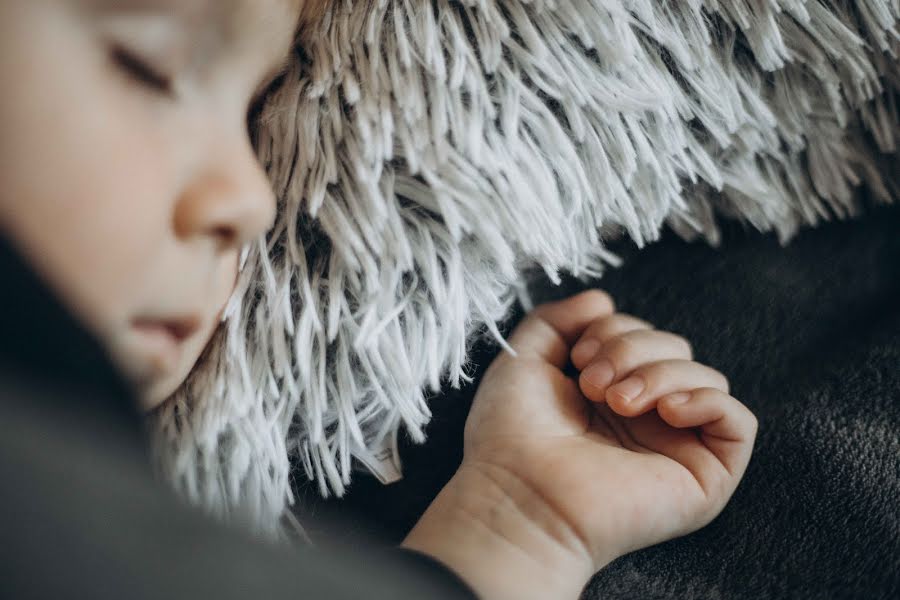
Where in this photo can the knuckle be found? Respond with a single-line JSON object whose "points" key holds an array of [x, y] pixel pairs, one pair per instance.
{"points": [[618, 349], [752, 421], [685, 345], [617, 323], [724, 384], [655, 373], [633, 321], [601, 299], [743, 412], [604, 326]]}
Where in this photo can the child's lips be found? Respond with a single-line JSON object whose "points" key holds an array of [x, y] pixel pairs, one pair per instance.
{"points": [[160, 339], [179, 328]]}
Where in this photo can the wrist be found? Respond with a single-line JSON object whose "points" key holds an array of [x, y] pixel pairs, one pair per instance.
{"points": [[502, 539]]}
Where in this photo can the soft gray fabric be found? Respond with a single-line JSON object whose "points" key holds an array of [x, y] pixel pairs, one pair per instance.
{"points": [[812, 351], [426, 154]]}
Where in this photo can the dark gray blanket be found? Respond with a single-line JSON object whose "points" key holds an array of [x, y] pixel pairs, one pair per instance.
{"points": [[809, 336]]}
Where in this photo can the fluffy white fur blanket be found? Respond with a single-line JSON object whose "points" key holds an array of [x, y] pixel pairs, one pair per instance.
{"points": [[429, 154]]}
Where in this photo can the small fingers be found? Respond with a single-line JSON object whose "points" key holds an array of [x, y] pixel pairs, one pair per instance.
{"points": [[639, 392], [601, 331], [727, 427], [624, 353], [552, 327]]}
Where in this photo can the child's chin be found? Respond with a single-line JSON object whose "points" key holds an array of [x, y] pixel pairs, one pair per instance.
{"points": [[154, 394], [153, 380]]}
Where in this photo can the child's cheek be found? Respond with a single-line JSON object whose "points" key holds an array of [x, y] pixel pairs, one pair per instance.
{"points": [[84, 170]]}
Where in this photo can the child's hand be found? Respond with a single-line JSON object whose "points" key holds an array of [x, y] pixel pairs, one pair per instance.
{"points": [[566, 476]]}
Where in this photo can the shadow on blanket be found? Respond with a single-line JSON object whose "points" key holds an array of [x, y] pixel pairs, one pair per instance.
{"points": [[809, 336]]}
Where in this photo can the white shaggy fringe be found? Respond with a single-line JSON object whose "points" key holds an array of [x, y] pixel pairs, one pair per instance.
{"points": [[427, 153]]}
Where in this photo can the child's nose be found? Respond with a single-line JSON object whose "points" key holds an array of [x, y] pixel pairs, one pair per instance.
{"points": [[229, 199]]}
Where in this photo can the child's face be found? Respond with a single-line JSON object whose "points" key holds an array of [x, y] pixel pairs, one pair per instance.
{"points": [[127, 175]]}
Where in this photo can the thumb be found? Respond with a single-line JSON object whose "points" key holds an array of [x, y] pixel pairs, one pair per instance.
{"points": [[551, 328]]}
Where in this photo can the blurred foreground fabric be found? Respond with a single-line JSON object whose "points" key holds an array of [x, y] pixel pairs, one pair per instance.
{"points": [[809, 336]]}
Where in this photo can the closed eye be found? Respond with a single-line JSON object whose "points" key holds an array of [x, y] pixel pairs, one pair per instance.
{"points": [[140, 70]]}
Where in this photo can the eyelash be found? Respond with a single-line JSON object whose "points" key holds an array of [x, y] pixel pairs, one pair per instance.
{"points": [[141, 71]]}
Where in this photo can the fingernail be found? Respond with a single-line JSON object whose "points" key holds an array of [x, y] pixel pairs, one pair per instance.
{"points": [[678, 398], [599, 373], [629, 388], [585, 350]]}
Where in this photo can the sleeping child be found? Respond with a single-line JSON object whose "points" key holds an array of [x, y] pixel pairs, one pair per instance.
{"points": [[131, 188]]}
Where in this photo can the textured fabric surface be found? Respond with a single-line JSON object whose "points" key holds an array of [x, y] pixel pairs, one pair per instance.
{"points": [[425, 154], [809, 336]]}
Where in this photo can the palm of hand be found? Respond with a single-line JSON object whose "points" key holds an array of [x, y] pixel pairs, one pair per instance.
{"points": [[610, 478], [561, 477]]}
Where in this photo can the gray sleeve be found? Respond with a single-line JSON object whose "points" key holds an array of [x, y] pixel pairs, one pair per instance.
{"points": [[81, 516]]}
